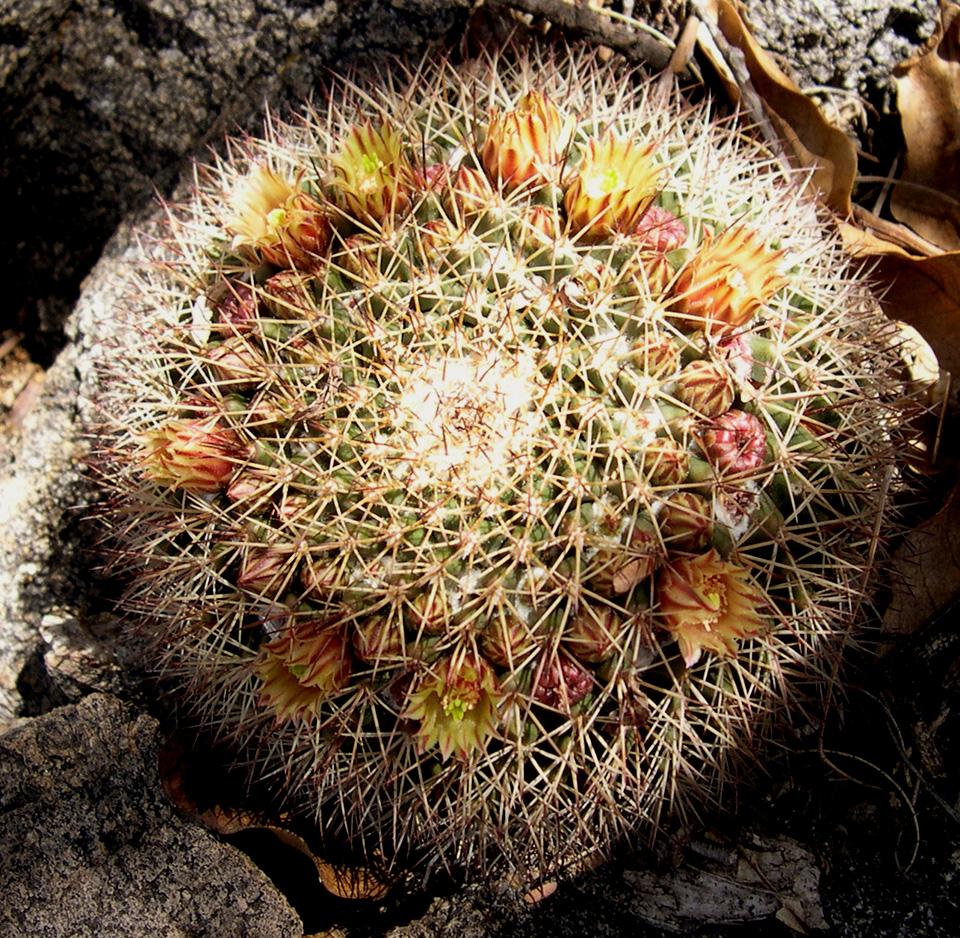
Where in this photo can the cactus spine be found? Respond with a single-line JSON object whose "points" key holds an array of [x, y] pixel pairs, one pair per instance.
{"points": [[506, 449]]}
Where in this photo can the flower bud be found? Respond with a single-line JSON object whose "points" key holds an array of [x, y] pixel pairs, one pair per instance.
{"points": [[277, 221], [301, 668], [431, 178], [264, 569], [707, 602], [526, 144], [655, 356], [378, 640], [735, 442], [469, 194], [372, 174], [592, 633], [706, 387], [643, 555], [238, 308], [614, 185], [559, 682], [539, 227], [659, 230], [666, 462], [194, 455], [288, 295], [321, 576], [727, 281], [428, 610], [686, 522], [507, 640], [237, 365]]}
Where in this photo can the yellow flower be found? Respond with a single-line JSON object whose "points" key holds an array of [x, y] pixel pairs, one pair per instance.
{"points": [[527, 143], [729, 278], [301, 668], [456, 705], [195, 455], [372, 173], [707, 602], [615, 184], [276, 220]]}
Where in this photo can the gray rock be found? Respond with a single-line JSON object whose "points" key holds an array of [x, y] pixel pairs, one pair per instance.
{"points": [[100, 100], [92, 848], [847, 44]]}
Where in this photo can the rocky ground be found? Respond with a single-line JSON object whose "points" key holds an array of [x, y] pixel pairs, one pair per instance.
{"points": [[103, 103]]}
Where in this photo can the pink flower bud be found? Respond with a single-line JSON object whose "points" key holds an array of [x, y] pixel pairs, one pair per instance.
{"points": [[560, 682], [735, 442], [237, 365], [378, 639], [660, 230]]}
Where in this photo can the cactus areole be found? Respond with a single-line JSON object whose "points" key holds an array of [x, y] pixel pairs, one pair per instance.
{"points": [[500, 455]]}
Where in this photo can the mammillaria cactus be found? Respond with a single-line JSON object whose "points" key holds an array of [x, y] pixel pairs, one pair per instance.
{"points": [[501, 451]]}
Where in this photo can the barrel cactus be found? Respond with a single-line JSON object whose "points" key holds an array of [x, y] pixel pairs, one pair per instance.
{"points": [[502, 451]]}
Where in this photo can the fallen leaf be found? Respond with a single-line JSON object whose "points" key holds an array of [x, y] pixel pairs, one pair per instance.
{"points": [[811, 141], [342, 880], [926, 571], [925, 292], [927, 196]]}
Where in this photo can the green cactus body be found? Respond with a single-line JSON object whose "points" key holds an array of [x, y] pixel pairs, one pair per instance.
{"points": [[492, 488]]}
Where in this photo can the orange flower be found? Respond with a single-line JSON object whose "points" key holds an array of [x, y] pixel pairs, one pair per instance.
{"points": [[276, 220], [526, 144], [300, 668], [614, 186], [456, 706], [707, 602], [372, 173], [728, 280], [195, 455]]}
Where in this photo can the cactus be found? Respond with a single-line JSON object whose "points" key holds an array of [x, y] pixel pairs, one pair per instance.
{"points": [[502, 451]]}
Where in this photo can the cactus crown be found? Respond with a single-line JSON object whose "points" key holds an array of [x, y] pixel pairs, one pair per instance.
{"points": [[496, 477]]}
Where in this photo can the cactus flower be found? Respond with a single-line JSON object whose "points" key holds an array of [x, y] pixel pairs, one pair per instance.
{"points": [[613, 187], [456, 704], [372, 173], [194, 455], [301, 668], [727, 281], [528, 143], [276, 220], [736, 442], [708, 602]]}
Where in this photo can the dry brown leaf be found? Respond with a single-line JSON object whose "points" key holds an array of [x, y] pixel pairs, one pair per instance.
{"points": [[344, 881], [921, 291], [928, 98], [812, 142], [927, 568]]}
